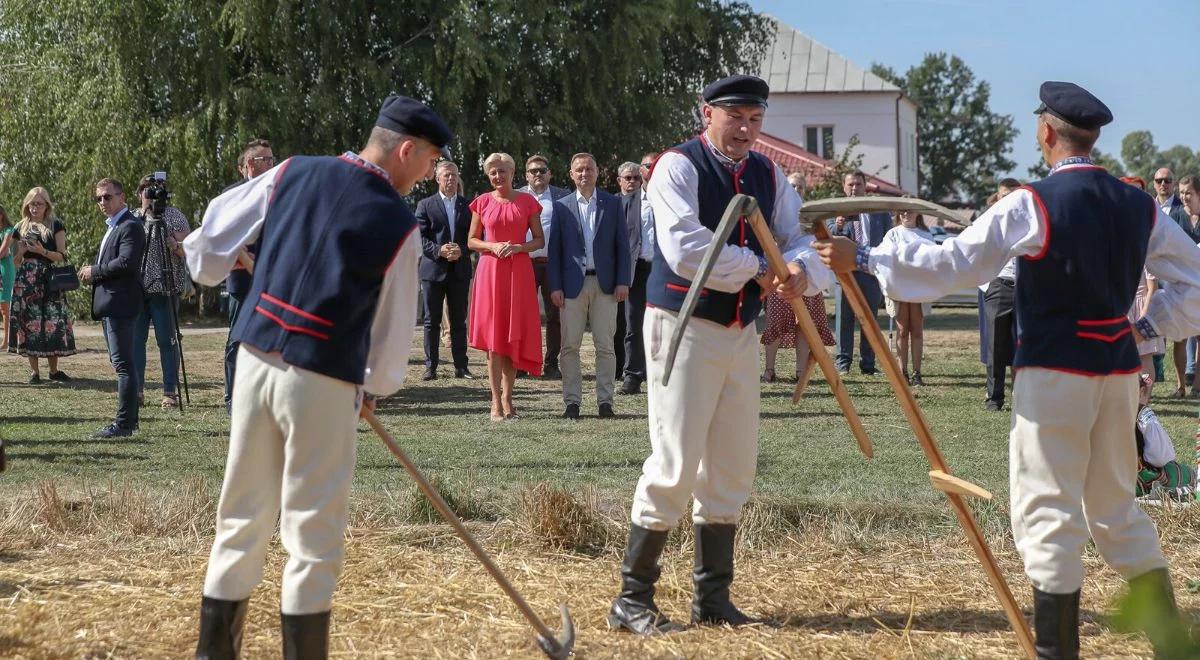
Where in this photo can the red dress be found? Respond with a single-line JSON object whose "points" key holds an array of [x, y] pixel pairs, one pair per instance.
{"points": [[504, 316]]}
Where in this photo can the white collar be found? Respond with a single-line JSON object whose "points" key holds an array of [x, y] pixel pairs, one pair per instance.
{"points": [[580, 198]]}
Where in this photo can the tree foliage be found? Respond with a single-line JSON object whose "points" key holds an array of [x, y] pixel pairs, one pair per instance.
{"points": [[963, 145], [92, 89], [1142, 157]]}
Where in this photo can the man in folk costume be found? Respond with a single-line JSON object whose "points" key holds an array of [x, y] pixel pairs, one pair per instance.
{"points": [[328, 325], [1082, 238], [704, 427]]}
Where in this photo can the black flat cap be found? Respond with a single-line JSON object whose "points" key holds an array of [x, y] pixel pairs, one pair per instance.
{"points": [[1073, 104], [739, 89], [411, 117]]}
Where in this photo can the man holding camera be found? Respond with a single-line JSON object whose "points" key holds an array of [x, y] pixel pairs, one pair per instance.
{"points": [[117, 298], [162, 285]]}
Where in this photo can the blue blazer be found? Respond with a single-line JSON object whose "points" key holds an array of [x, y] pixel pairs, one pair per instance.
{"points": [[116, 275], [610, 249], [878, 224], [435, 232]]}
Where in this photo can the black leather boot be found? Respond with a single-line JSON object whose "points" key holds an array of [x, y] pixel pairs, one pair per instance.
{"points": [[305, 636], [1056, 625], [1170, 636], [634, 609], [221, 624], [713, 575]]}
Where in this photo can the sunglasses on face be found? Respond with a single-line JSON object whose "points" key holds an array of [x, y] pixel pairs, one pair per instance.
{"points": [[103, 198], [1162, 181], [263, 159], [648, 165], [537, 171]]}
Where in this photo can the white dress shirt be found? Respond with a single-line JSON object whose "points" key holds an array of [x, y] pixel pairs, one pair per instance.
{"points": [[647, 230], [234, 220], [448, 204], [547, 201], [587, 222], [1012, 228], [673, 193]]}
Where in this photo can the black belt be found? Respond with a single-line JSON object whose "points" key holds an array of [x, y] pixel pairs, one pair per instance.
{"points": [[590, 271]]}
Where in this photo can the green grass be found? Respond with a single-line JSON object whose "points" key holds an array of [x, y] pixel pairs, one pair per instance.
{"points": [[807, 458]]}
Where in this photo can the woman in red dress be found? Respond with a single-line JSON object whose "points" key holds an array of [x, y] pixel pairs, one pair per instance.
{"points": [[504, 319]]}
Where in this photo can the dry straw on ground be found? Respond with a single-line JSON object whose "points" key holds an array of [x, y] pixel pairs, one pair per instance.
{"points": [[116, 572]]}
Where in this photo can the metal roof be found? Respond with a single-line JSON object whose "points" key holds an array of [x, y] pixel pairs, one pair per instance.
{"points": [[796, 63]]}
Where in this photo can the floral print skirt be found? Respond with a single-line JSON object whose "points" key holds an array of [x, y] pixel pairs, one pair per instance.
{"points": [[41, 321]]}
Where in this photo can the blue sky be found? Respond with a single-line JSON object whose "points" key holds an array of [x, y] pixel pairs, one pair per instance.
{"points": [[1142, 58]]}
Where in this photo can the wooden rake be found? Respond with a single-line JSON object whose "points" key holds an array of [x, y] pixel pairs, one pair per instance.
{"points": [[941, 478]]}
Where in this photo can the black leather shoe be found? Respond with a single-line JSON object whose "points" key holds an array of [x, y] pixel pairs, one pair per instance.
{"points": [[113, 431], [634, 608], [60, 377], [551, 372], [305, 636], [1056, 625], [35, 379], [712, 576], [992, 405], [632, 385], [464, 374], [572, 411], [221, 624], [430, 374], [606, 410]]}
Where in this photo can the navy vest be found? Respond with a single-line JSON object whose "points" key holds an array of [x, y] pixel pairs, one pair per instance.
{"points": [[1072, 299], [754, 176], [332, 229]]}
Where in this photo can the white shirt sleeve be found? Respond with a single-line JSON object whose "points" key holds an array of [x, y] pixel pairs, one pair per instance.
{"points": [[682, 239], [395, 320], [793, 242], [1171, 256], [921, 271], [1158, 450], [231, 221]]}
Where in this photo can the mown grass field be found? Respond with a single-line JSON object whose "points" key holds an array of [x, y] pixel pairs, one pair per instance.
{"points": [[867, 559]]}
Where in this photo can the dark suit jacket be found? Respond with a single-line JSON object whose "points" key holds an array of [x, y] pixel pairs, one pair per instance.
{"points": [[116, 275], [610, 249], [878, 224], [435, 232], [633, 222]]}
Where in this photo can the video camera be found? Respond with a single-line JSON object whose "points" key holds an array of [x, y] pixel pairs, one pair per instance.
{"points": [[156, 191]]}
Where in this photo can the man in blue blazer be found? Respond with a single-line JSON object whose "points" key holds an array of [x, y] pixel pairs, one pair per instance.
{"points": [[117, 297], [444, 219], [867, 229], [589, 274]]}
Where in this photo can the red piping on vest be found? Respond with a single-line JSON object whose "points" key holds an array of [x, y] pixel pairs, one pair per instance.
{"points": [[289, 327], [296, 310]]}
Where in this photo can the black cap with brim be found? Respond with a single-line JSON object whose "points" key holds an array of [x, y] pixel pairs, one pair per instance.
{"points": [[1073, 104], [411, 117], [738, 89]]}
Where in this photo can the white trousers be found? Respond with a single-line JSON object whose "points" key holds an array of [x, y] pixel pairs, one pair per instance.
{"points": [[599, 310], [291, 456], [1072, 468], [703, 427]]}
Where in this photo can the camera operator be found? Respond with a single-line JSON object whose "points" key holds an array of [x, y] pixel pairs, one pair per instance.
{"points": [[158, 301]]}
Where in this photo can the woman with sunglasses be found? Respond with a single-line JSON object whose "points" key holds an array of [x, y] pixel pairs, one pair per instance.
{"points": [[41, 321], [909, 227]]}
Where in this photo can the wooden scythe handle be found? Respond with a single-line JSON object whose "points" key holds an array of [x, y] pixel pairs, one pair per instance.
{"points": [[811, 334], [866, 318]]}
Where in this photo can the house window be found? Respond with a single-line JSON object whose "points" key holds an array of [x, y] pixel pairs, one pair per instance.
{"points": [[819, 140]]}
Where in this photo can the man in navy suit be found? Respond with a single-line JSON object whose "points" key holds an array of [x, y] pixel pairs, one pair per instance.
{"points": [[589, 274], [538, 176], [117, 297], [867, 229], [445, 220]]}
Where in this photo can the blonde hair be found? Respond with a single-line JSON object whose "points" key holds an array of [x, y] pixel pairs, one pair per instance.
{"points": [[27, 224], [502, 158]]}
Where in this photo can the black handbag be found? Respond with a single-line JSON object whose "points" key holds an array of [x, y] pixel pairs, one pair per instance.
{"points": [[62, 278]]}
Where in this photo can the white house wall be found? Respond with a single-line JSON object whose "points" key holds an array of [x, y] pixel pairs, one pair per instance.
{"points": [[870, 115]]}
